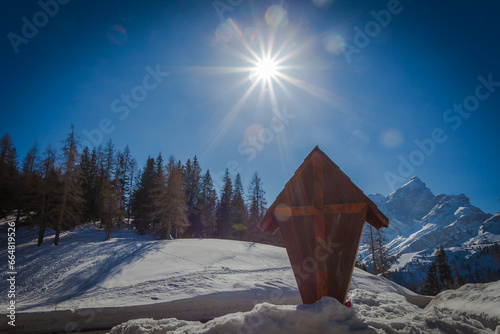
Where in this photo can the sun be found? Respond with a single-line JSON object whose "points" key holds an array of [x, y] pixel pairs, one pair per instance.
{"points": [[265, 69], [270, 62]]}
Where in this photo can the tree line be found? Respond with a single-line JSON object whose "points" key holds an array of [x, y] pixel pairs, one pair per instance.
{"points": [[170, 199]]}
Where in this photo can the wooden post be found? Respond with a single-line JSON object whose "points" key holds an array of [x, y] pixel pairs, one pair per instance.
{"points": [[321, 214]]}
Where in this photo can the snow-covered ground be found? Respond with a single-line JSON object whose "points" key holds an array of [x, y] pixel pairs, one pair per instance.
{"points": [[471, 309], [84, 271], [132, 276]]}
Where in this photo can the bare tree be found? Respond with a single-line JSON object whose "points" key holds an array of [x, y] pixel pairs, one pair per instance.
{"points": [[72, 197], [48, 188], [369, 239], [381, 253]]}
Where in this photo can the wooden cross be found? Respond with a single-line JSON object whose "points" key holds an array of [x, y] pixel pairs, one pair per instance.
{"points": [[319, 209]]}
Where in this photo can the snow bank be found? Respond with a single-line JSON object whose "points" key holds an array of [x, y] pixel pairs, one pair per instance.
{"points": [[380, 305], [325, 316], [371, 313], [391, 313], [472, 309], [480, 301]]}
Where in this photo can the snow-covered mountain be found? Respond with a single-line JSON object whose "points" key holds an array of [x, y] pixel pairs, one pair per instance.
{"points": [[420, 222]]}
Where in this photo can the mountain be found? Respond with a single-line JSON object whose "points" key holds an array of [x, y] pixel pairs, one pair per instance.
{"points": [[420, 222]]}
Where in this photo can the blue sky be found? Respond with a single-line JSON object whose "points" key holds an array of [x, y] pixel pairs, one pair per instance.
{"points": [[388, 89]]}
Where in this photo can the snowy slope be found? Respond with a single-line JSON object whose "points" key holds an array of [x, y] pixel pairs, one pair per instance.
{"points": [[489, 232], [130, 276], [84, 271]]}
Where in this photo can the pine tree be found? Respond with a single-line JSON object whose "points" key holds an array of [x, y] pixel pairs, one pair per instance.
{"points": [[87, 184], [239, 211], [159, 218], [49, 188], [132, 181], [121, 181], [72, 195], [141, 199], [256, 197], [128, 180], [95, 184], [9, 176], [100, 184], [224, 208], [208, 204], [159, 180], [116, 189], [192, 185], [256, 210], [176, 198], [186, 171], [111, 211], [431, 287], [30, 183], [169, 202], [444, 270]]}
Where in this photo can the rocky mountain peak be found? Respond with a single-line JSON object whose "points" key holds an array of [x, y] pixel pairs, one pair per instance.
{"points": [[414, 184], [423, 220], [412, 201]]}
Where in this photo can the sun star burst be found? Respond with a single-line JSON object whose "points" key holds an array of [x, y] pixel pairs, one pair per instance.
{"points": [[265, 69]]}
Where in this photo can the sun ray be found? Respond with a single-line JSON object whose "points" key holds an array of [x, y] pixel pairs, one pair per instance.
{"points": [[310, 88], [242, 56], [272, 96], [226, 121], [281, 85], [284, 149], [214, 70]]}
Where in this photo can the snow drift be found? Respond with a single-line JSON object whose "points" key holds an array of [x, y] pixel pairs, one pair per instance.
{"points": [[325, 316], [471, 309]]}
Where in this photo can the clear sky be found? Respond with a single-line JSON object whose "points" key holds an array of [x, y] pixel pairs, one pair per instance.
{"points": [[388, 89]]}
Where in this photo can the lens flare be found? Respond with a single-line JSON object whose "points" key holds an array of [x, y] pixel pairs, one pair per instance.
{"points": [[334, 44], [276, 16], [392, 138], [250, 36], [323, 3], [253, 130], [282, 212], [227, 30], [117, 34]]}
